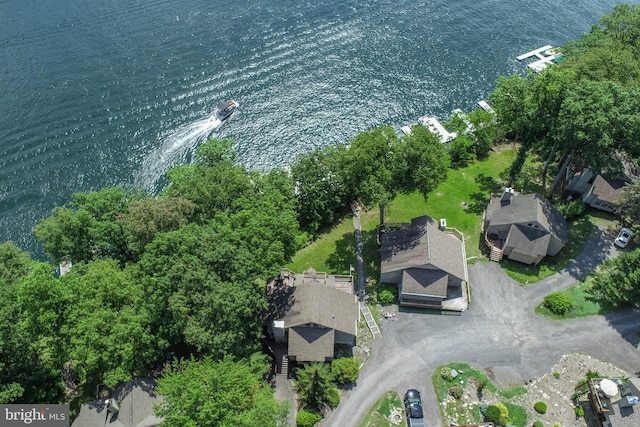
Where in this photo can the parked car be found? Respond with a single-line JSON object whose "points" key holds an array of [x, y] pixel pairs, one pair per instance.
{"points": [[624, 237], [413, 408]]}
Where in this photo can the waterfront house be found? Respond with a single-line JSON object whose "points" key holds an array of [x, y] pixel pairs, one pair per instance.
{"points": [[598, 191], [311, 313], [427, 262], [523, 227]]}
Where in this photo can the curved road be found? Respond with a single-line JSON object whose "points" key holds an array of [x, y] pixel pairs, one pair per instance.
{"points": [[499, 333]]}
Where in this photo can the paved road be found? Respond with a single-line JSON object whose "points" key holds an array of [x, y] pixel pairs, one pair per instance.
{"points": [[499, 333]]}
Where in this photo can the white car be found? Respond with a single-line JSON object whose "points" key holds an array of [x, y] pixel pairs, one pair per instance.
{"points": [[624, 237]]}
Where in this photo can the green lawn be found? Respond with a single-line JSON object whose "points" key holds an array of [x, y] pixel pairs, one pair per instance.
{"points": [[332, 252], [460, 199], [583, 304]]}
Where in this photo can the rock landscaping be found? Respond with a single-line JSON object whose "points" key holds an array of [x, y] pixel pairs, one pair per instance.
{"points": [[555, 389]]}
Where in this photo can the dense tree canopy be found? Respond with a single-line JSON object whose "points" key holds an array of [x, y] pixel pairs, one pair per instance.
{"points": [[29, 372], [87, 228], [223, 393], [367, 166], [106, 334], [200, 290], [629, 206], [585, 106], [322, 196], [616, 282]]}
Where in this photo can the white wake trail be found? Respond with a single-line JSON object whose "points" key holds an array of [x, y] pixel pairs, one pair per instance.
{"points": [[176, 146]]}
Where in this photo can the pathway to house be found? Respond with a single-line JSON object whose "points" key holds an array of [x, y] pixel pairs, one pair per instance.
{"points": [[371, 323], [500, 333], [360, 275]]}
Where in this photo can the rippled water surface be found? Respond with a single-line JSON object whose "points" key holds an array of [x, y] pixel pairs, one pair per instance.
{"points": [[96, 93]]}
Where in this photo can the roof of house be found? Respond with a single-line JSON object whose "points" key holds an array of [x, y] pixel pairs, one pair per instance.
{"points": [[527, 209], [311, 344], [529, 240], [625, 416], [607, 189], [424, 281], [322, 305], [420, 244], [135, 398]]}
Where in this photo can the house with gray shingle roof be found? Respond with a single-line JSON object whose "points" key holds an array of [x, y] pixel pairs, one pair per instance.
{"points": [[134, 403], [525, 227], [312, 313], [598, 191], [620, 410], [427, 263]]}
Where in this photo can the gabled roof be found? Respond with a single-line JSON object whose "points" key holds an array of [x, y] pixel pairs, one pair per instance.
{"points": [[427, 282], [311, 344], [136, 399], [322, 305], [607, 189], [422, 244], [529, 240], [528, 209]]}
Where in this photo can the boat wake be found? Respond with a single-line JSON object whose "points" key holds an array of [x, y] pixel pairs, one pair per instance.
{"points": [[177, 146]]}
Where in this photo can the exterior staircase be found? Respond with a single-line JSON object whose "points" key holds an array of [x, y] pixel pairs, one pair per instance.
{"points": [[284, 366], [496, 254]]}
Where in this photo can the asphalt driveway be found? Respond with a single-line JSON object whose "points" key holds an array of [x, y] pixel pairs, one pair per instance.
{"points": [[499, 333]]}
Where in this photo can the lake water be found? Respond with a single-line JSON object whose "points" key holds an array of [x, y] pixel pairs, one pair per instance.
{"points": [[97, 93]]}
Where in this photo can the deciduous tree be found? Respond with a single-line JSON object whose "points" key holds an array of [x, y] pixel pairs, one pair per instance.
{"points": [[223, 393], [616, 282]]}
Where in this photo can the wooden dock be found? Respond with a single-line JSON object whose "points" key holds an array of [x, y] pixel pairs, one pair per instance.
{"points": [[436, 128], [485, 106], [545, 54], [535, 52]]}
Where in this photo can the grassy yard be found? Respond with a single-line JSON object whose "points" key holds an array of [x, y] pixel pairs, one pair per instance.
{"points": [[460, 199], [475, 382], [379, 414], [583, 304]]}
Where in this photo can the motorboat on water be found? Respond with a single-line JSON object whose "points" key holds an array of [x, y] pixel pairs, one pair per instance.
{"points": [[226, 109]]}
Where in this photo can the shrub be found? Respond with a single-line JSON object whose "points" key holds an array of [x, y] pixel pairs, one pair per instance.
{"points": [[307, 419], [498, 414], [540, 407], [345, 370], [386, 297], [445, 373], [333, 397], [579, 411], [456, 391], [558, 303], [593, 374], [538, 424], [572, 209], [556, 375]]}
